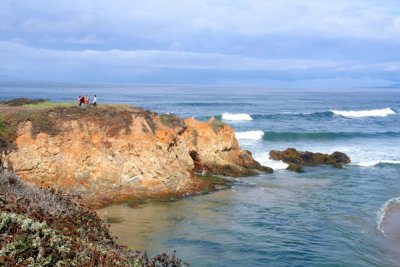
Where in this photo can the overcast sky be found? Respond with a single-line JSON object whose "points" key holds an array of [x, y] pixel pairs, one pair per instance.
{"points": [[275, 43]]}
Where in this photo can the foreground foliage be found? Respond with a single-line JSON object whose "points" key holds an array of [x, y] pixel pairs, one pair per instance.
{"points": [[41, 227]]}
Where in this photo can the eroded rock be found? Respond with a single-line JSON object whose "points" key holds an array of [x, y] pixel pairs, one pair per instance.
{"points": [[111, 152], [299, 159]]}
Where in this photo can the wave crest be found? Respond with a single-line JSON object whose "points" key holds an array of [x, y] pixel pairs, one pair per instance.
{"points": [[292, 136], [263, 159], [374, 163], [249, 135], [390, 205], [236, 117], [364, 113]]}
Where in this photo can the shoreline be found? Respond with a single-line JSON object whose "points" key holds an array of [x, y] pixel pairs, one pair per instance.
{"points": [[201, 185]]}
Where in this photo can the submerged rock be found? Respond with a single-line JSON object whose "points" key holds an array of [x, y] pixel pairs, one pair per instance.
{"points": [[298, 159]]}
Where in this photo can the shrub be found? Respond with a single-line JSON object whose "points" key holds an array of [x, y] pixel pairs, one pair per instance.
{"points": [[45, 227], [171, 120], [217, 125], [22, 101]]}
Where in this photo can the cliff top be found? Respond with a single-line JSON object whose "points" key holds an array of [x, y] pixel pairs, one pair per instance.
{"points": [[45, 115]]}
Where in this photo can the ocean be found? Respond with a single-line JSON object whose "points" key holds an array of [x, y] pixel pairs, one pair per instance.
{"points": [[323, 217]]}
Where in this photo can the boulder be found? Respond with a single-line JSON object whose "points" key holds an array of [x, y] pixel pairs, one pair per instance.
{"points": [[295, 168], [298, 159]]}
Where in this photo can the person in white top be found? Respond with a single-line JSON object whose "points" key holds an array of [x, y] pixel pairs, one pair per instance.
{"points": [[95, 100]]}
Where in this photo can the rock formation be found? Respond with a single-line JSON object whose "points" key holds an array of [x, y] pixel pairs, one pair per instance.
{"points": [[298, 159], [112, 152]]}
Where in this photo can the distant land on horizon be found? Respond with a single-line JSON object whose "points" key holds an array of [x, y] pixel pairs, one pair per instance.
{"points": [[33, 83]]}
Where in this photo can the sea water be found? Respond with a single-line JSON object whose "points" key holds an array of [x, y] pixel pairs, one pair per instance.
{"points": [[323, 217]]}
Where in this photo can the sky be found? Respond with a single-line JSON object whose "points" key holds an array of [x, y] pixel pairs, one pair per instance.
{"points": [[276, 44]]}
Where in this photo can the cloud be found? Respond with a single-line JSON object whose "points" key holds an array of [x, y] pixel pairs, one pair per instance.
{"points": [[160, 19], [75, 24], [88, 39], [158, 59], [205, 39]]}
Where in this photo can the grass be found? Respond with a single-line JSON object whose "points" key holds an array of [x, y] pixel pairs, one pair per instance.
{"points": [[171, 120], [48, 104], [46, 117], [18, 102], [217, 125]]}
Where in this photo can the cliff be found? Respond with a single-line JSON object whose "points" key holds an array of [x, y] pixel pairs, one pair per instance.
{"points": [[112, 152]]}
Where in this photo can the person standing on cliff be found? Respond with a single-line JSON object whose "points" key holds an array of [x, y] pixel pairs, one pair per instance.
{"points": [[81, 101], [86, 100], [95, 100]]}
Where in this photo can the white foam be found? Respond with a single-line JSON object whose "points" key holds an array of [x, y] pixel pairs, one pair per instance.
{"points": [[364, 113], [382, 212], [249, 135], [263, 159], [236, 117], [374, 163]]}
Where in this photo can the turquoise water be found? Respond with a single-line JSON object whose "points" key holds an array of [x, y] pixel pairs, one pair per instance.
{"points": [[323, 217]]}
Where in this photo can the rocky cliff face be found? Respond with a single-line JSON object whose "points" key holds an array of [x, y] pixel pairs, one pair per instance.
{"points": [[116, 151]]}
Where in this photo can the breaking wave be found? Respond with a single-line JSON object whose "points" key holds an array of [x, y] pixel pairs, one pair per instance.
{"points": [[263, 159], [236, 117], [391, 205], [374, 163], [328, 114], [291, 136], [364, 113], [249, 135]]}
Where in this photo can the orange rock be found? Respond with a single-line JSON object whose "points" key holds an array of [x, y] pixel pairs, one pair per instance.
{"points": [[95, 158]]}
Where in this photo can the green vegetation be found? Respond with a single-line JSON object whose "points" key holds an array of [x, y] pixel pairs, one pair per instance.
{"points": [[217, 125], [214, 180], [1, 123], [17, 102], [47, 117], [171, 120], [44, 227], [40, 119], [48, 104]]}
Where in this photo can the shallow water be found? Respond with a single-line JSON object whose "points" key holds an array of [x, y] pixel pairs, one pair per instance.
{"points": [[318, 218], [323, 217]]}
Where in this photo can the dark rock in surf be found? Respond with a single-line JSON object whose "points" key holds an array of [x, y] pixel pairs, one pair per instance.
{"points": [[295, 168], [299, 159]]}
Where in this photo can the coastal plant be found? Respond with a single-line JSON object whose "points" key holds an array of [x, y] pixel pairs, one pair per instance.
{"points": [[49, 104], [1, 123], [171, 120], [46, 227], [46, 117], [23, 101], [216, 125], [195, 139]]}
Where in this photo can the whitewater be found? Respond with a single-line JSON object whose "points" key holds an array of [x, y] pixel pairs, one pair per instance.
{"points": [[323, 217]]}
